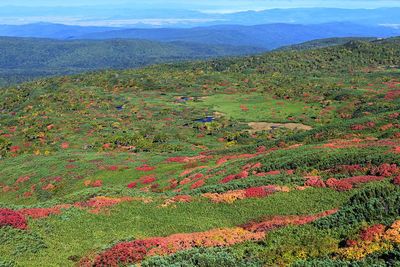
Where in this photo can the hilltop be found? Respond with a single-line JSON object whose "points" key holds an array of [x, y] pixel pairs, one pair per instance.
{"points": [[281, 158], [320, 43]]}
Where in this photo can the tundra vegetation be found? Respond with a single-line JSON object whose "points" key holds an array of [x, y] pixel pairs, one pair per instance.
{"points": [[199, 164]]}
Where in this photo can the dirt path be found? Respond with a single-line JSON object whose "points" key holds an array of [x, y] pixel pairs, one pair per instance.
{"points": [[218, 114], [260, 126]]}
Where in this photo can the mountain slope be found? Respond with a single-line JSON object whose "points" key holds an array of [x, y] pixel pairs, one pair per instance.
{"points": [[270, 36], [320, 43], [23, 59], [281, 159]]}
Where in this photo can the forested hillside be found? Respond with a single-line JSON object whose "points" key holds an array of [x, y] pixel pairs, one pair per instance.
{"points": [[320, 43], [269, 36], [278, 159], [24, 59]]}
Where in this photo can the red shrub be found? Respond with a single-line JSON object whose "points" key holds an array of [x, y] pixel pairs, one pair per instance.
{"points": [[255, 192], [371, 233], [70, 166], [357, 127], [396, 180], [135, 251], [36, 213], [130, 252], [396, 136], [385, 170], [148, 180], [132, 185], [22, 179], [197, 184], [272, 222], [339, 185], [9, 217], [314, 181], [347, 169], [363, 179], [386, 127], [184, 198], [227, 179], [112, 168], [145, 168], [96, 183], [242, 175], [177, 159]]}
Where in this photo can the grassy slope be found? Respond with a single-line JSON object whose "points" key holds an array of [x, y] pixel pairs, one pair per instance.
{"points": [[158, 124]]}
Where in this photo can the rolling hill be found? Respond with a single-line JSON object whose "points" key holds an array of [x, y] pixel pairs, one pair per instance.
{"points": [[269, 36], [320, 43], [285, 158], [24, 59]]}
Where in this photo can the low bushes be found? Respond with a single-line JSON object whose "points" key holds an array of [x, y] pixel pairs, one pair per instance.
{"points": [[200, 257], [372, 204]]}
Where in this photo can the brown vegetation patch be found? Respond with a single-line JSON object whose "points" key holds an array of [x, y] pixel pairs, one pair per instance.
{"points": [[219, 114], [267, 126]]}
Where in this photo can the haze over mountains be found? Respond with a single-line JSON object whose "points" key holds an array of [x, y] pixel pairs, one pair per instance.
{"points": [[269, 36], [148, 36], [177, 18], [270, 28]]}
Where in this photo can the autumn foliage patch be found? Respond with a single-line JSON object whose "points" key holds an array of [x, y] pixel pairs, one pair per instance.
{"points": [[135, 251], [9, 217]]}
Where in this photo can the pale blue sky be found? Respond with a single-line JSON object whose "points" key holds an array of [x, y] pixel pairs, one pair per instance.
{"points": [[212, 4]]}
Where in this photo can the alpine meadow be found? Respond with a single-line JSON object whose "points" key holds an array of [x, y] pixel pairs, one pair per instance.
{"points": [[132, 152]]}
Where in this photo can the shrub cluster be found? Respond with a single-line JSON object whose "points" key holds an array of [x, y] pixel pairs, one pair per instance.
{"points": [[200, 257], [372, 204], [9, 217]]}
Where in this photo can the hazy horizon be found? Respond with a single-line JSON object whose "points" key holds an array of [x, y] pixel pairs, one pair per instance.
{"points": [[157, 13], [215, 5]]}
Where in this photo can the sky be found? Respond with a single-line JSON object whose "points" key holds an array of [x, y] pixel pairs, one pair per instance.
{"points": [[211, 5]]}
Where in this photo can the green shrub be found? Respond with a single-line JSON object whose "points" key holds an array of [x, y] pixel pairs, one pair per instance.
{"points": [[288, 244], [21, 241], [333, 263], [372, 204], [6, 263], [199, 257]]}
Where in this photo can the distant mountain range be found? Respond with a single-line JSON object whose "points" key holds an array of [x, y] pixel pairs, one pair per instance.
{"points": [[50, 30], [24, 59], [317, 16], [267, 36], [140, 16]]}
